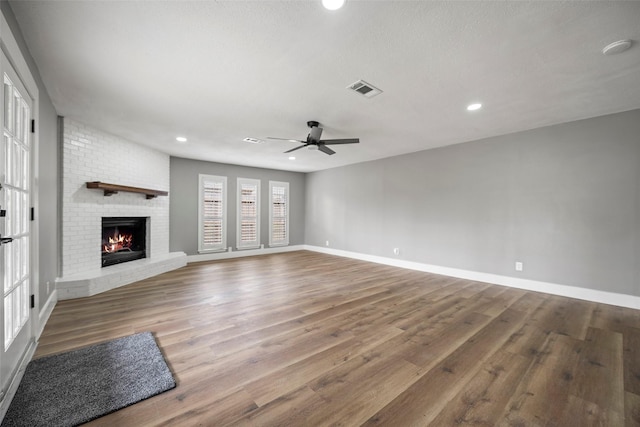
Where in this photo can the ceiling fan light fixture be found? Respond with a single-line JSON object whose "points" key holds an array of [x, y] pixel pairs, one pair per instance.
{"points": [[333, 4], [313, 141]]}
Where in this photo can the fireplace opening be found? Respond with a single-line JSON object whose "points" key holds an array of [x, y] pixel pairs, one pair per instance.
{"points": [[124, 239]]}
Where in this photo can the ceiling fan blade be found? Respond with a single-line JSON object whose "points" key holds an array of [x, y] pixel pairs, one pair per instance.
{"points": [[286, 139], [326, 150], [315, 133], [340, 141], [297, 148]]}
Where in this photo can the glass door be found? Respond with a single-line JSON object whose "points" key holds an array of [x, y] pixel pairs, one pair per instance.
{"points": [[15, 181]]}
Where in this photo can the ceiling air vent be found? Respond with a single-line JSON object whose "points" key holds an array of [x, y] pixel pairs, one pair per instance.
{"points": [[364, 89]]}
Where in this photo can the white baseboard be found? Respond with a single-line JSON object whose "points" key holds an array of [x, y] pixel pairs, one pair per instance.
{"points": [[46, 311], [214, 256], [622, 300]]}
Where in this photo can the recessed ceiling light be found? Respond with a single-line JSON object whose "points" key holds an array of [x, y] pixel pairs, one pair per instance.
{"points": [[181, 139], [253, 140], [616, 47], [474, 107], [292, 158], [333, 4]]}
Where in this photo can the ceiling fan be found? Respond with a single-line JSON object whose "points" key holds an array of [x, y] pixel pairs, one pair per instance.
{"points": [[314, 142]]}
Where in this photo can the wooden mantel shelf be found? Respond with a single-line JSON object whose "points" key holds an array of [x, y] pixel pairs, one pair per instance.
{"points": [[110, 189]]}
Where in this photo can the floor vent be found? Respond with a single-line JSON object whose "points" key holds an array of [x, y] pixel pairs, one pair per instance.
{"points": [[364, 89]]}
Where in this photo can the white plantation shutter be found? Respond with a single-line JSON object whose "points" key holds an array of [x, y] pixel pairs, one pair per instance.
{"points": [[213, 213], [212, 218], [248, 213], [278, 213]]}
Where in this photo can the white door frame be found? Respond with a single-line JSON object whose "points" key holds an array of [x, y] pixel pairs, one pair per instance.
{"points": [[11, 49]]}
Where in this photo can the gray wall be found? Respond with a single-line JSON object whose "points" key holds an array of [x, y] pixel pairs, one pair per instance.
{"points": [[564, 200], [48, 186], [183, 193]]}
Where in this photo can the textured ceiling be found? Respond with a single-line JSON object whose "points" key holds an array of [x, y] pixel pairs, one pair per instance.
{"points": [[219, 71]]}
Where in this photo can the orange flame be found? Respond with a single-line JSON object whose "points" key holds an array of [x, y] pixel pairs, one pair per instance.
{"points": [[117, 243]]}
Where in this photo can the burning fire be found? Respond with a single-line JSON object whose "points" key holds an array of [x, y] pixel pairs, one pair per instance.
{"points": [[118, 243]]}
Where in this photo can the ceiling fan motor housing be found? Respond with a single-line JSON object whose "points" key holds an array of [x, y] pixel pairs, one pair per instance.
{"points": [[315, 143]]}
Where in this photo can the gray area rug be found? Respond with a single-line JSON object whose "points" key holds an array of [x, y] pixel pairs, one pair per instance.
{"points": [[72, 388]]}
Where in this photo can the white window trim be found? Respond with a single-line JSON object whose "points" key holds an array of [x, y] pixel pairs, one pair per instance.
{"points": [[202, 178], [272, 184], [247, 245]]}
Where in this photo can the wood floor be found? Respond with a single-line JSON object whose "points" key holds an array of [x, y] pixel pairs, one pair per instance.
{"points": [[306, 339]]}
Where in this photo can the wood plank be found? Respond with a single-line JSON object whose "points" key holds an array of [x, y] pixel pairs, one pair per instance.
{"points": [[614, 318], [631, 343], [430, 345], [444, 381], [550, 316], [631, 409], [529, 301], [270, 387], [481, 401], [291, 409], [243, 366], [599, 378], [354, 397], [220, 412], [543, 393], [581, 412]]}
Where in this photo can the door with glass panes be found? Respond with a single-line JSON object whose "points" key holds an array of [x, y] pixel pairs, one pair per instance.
{"points": [[15, 181]]}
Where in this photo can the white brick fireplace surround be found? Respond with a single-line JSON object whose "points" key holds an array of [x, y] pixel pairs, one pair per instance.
{"points": [[92, 155]]}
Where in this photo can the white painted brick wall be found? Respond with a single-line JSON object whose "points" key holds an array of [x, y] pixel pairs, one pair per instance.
{"points": [[93, 155]]}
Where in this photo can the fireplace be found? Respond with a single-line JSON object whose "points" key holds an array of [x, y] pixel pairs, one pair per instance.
{"points": [[124, 239]]}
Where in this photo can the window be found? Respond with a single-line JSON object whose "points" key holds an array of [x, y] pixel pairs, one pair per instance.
{"points": [[212, 218], [248, 213], [278, 213]]}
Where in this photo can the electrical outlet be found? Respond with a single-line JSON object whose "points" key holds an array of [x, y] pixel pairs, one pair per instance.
{"points": [[396, 251], [519, 266], [326, 243]]}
